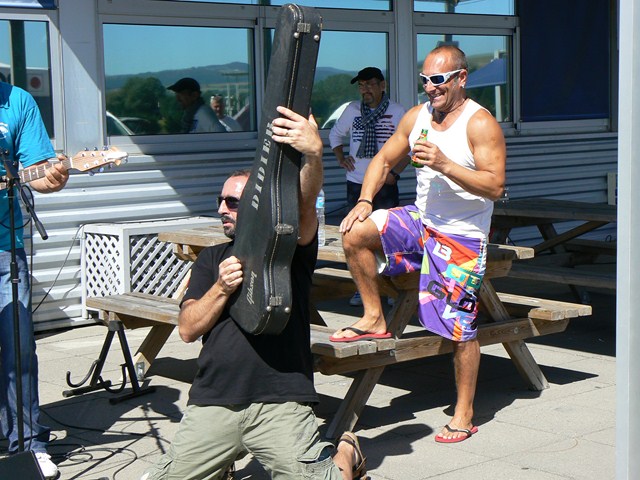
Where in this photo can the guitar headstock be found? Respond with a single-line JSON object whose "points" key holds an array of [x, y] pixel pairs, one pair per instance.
{"points": [[88, 160]]}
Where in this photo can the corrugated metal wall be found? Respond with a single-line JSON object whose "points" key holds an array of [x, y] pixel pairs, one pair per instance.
{"points": [[158, 185]]}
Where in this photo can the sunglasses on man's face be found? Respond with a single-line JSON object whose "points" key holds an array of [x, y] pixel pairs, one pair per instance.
{"points": [[438, 78], [232, 202]]}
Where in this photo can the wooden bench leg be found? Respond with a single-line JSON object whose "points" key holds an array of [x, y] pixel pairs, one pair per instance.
{"points": [[351, 407], [150, 347], [365, 381], [517, 350], [551, 236], [526, 365]]}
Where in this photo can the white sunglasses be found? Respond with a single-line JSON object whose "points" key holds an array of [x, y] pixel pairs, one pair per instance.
{"points": [[438, 78]]}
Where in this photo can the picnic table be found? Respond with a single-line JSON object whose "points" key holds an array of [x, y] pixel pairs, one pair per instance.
{"points": [[507, 319], [557, 255]]}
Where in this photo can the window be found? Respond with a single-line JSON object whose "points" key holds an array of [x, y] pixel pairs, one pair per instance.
{"points": [[579, 72], [24, 62], [142, 61], [349, 4], [486, 7], [339, 60], [489, 60]]}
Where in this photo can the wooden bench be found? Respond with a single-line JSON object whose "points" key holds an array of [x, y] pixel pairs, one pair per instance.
{"points": [[594, 247], [565, 275], [532, 317]]}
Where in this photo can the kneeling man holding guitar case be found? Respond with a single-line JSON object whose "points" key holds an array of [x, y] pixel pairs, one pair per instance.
{"points": [[249, 299], [253, 393]]}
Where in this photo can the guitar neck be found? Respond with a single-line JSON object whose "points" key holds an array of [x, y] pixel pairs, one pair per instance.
{"points": [[34, 173], [84, 161]]}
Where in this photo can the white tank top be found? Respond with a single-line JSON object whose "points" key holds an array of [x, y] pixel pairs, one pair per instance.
{"points": [[443, 204]]}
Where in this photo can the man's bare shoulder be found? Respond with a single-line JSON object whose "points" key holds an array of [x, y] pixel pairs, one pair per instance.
{"points": [[481, 123]]}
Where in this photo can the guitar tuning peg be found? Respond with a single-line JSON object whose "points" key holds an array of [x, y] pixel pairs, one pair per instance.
{"points": [[101, 169], [91, 173]]}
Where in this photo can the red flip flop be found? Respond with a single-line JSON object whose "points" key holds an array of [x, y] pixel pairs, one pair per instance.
{"points": [[360, 335], [467, 433]]}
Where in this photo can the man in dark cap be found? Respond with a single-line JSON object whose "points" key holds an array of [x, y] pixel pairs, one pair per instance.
{"points": [[370, 122], [197, 117]]}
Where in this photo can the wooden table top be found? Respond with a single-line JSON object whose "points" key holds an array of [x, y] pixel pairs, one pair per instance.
{"points": [[554, 209], [190, 241]]}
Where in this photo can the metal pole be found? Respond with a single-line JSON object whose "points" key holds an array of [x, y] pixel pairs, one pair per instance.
{"points": [[628, 281]]}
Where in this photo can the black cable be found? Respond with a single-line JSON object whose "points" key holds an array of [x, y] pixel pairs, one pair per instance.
{"points": [[113, 451], [64, 262]]}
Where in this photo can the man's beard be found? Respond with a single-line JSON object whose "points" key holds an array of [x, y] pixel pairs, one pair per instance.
{"points": [[229, 231]]}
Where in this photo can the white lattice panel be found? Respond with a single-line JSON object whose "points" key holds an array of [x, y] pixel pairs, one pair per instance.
{"points": [[128, 257]]}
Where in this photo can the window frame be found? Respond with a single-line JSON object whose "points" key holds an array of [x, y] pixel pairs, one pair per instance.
{"points": [[50, 18]]}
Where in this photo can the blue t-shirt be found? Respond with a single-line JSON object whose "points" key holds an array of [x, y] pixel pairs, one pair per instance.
{"points": [[24, 136]]}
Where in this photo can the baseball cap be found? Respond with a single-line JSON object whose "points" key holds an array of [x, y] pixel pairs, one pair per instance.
{"points": [[367, 74], [185, 84]]}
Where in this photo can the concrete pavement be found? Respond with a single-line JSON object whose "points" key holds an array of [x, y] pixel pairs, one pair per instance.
{"points": [[564, 432]]}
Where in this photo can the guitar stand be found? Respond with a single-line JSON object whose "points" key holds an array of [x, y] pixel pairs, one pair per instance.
{"points": [[95, 371]]}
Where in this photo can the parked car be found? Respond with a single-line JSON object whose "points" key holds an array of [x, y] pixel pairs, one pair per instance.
{"points": [[335, 115], [116, 127], [139, 126]]}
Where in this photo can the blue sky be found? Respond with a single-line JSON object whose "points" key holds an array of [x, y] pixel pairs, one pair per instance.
{"points": [[140, 49], [36, 44]]}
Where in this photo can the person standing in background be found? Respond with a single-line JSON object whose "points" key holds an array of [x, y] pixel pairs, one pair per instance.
{"points": [[371, 121], [197, 117], [229, 123]]}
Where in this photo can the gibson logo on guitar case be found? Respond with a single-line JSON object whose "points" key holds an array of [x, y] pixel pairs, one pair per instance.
{"points": [[250, 289]]}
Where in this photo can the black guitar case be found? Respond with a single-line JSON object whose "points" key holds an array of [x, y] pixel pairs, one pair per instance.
{"points": [[267, 226]]}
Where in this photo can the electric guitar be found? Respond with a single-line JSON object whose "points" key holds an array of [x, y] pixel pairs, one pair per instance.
{"points": [[84, 161]]}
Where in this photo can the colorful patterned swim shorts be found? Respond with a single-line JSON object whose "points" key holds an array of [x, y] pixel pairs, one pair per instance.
{"points": [[451, 270]]}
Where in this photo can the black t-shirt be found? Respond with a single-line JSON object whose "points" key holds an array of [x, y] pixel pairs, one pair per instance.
{"points": [[235, 367]]}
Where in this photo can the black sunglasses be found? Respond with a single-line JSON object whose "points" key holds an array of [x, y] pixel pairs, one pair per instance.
{"points": [[232, 202]]}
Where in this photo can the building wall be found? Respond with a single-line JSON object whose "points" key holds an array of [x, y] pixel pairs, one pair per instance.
{"points": [[179, 176], [160, 186]]}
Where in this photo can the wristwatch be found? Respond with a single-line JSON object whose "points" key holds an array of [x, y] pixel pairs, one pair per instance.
{"points": [[395, 175]]}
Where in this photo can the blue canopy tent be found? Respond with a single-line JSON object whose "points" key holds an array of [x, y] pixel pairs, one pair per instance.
{"points": [[493, 73]]}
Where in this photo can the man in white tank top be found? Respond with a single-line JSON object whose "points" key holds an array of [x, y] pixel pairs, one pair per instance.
{"points": [[460, 167]]}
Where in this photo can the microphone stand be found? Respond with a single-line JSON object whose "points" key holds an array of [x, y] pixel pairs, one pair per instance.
{"points": [[13, 180]]}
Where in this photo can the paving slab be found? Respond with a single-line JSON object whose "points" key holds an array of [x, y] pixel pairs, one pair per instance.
{"points": [[564, 432]]}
